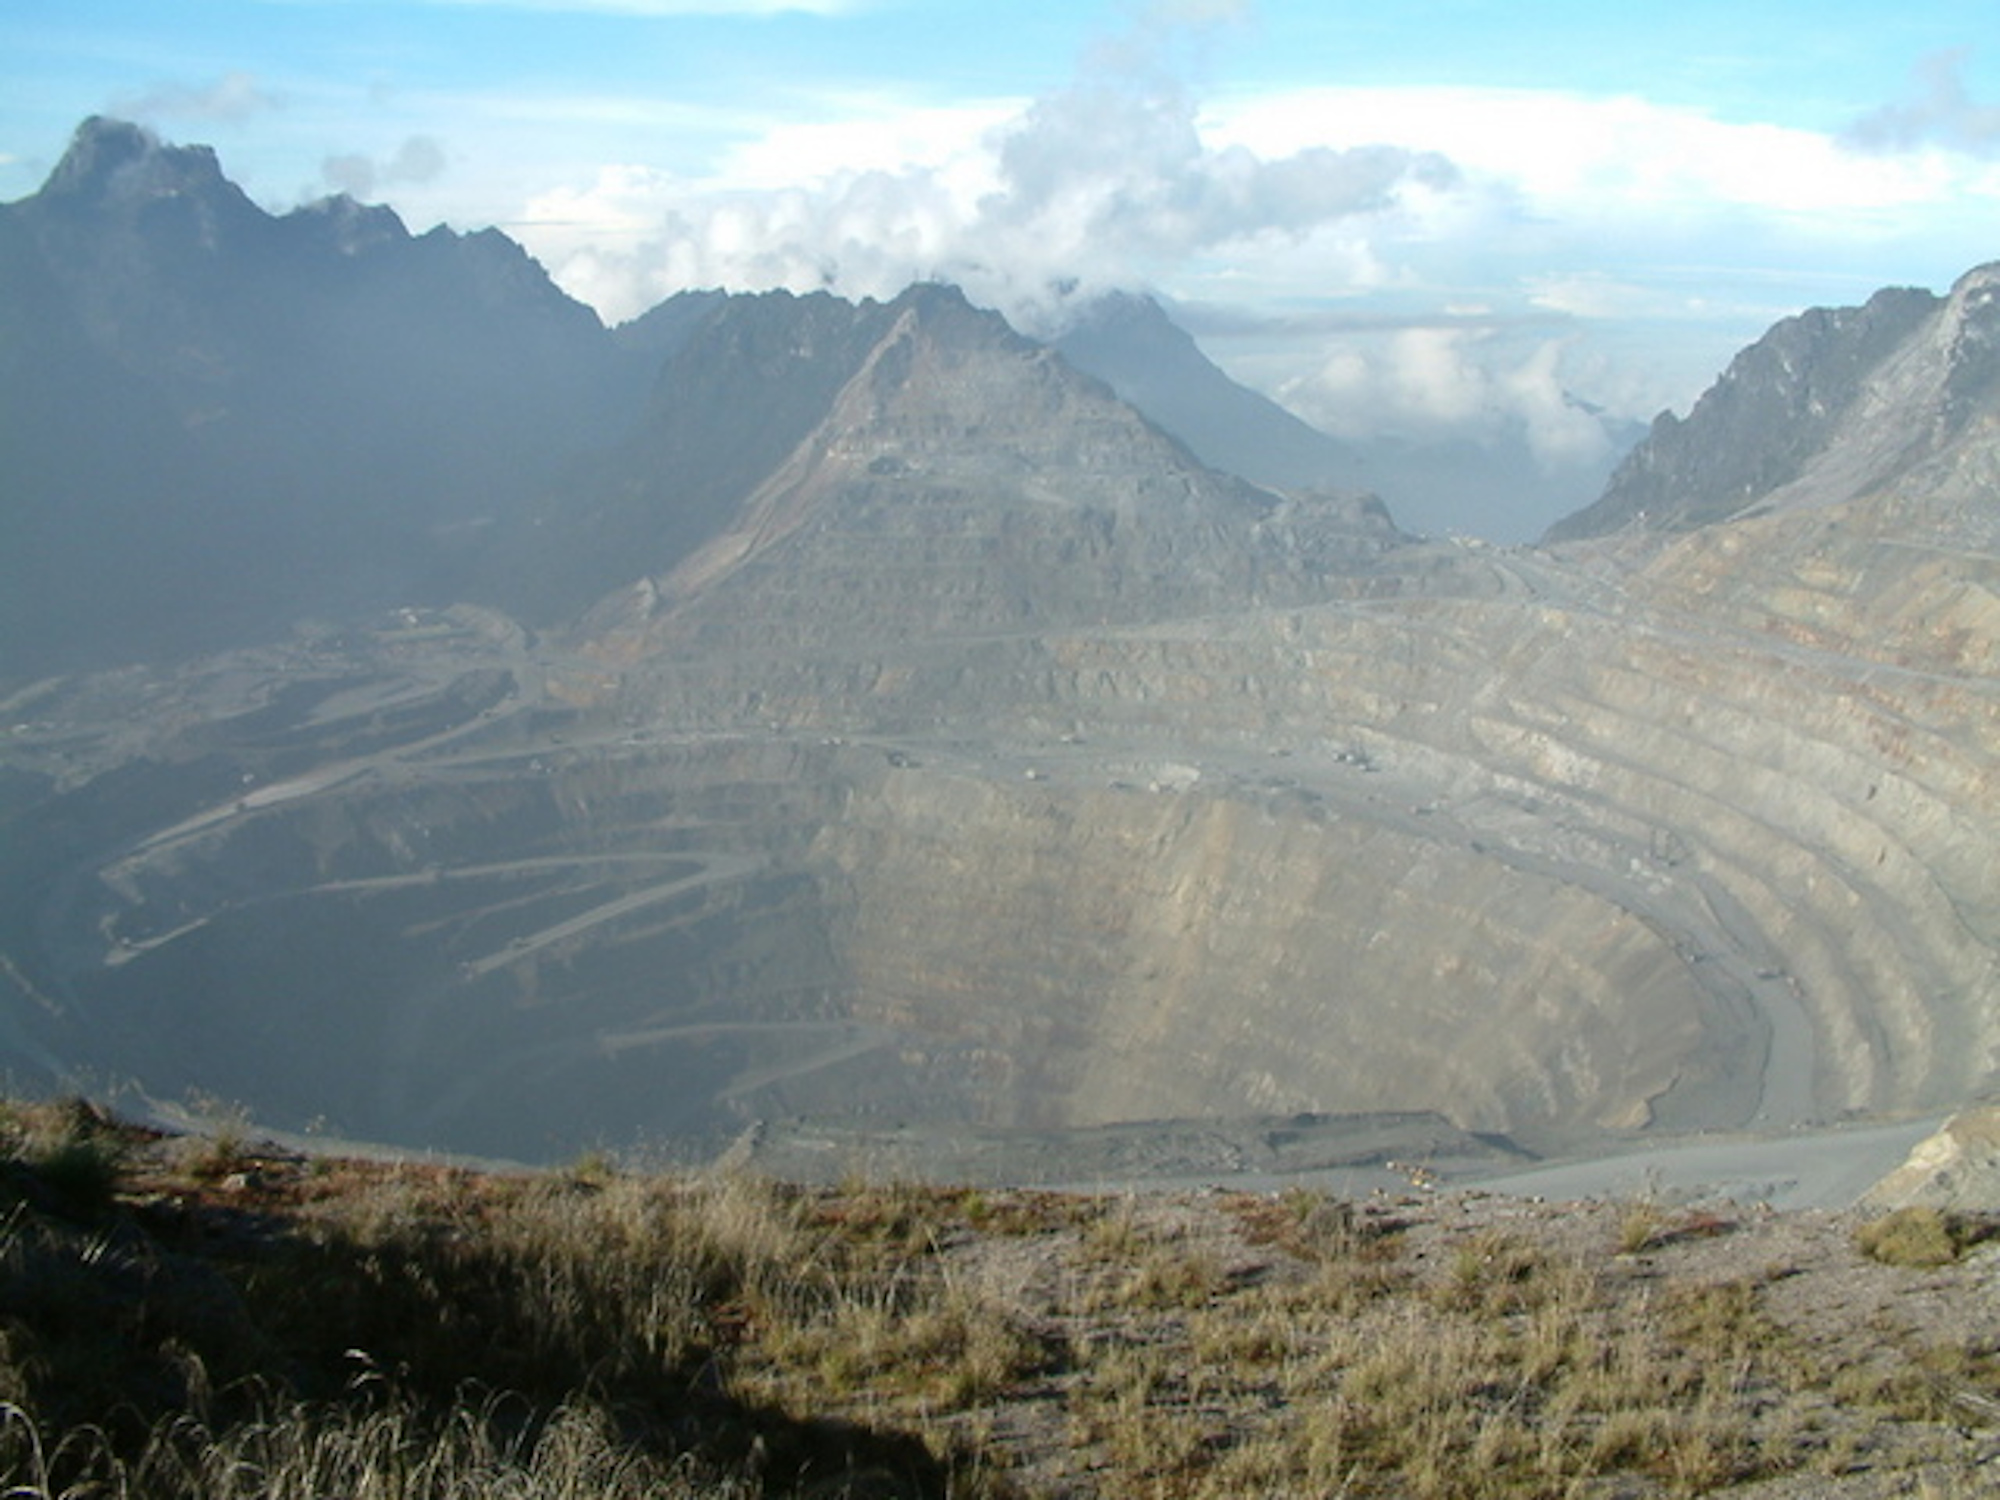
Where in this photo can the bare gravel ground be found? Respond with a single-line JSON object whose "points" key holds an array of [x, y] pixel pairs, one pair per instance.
{"points": [[1807, 1169], [1861, 1380]]}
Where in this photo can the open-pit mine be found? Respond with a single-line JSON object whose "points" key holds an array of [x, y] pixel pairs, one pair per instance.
{"points": [[893, 731]]}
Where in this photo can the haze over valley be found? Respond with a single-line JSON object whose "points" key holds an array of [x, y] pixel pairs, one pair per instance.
{"points": [[805, 722]]}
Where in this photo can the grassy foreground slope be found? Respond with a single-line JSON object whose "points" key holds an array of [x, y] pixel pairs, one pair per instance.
{"points": [[208, 1316]]}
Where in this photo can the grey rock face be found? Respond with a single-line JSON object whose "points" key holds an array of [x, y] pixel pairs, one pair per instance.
{"points": [[923, 471], [1776, 405], [1957, 1169]]}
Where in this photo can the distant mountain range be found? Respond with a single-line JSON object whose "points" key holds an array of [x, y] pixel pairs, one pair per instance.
{"points": [[1130, 343], [227, 421]]}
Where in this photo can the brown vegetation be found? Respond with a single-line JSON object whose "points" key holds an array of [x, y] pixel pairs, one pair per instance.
{"points": [[178, 1319]]}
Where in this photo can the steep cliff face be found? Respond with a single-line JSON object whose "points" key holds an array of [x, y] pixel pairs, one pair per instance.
{"points": [[1776, 407], [1072, 955]]}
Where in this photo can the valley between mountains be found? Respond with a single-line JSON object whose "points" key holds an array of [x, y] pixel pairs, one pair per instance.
{"points": [[883, 730]]}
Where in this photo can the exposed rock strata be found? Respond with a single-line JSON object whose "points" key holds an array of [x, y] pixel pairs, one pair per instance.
{"points": [[1957, 1169]]}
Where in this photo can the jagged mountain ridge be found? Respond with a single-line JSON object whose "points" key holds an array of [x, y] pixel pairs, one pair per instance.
{"points": [[1826, 406], [233, 420], [1130, 343], [740, 383], [876, 417], [997, 487], [228, 420]]}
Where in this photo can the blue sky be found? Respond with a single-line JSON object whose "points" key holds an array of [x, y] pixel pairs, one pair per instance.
{"points": [[1432, 217]]}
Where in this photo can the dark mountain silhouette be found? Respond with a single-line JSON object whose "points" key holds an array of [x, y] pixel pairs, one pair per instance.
{"points": [[659, 332], [1130, 343], [217, 420]]}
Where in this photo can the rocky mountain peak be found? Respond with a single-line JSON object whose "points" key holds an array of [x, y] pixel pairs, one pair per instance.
{"points": [[1972, 321], [348, 227], [1826, 379], [184, 371], [1132, 316], [117, 170], [1979, 286], [1130, 343], [114, 160]]}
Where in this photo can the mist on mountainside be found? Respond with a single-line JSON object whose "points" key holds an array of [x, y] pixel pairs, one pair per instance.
{"points": [[1501, 481]]}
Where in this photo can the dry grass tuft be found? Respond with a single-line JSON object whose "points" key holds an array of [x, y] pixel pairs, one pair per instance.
{"points": [[1920, 1237], [477, 1452], [68, 1147]]}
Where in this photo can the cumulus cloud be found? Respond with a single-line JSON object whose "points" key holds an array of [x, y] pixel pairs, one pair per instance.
{"points": [[1594, 294], [1107, 183], [232, 97], [1133, 177], [1434, 381], [419, 159], [1113, 177], [1579, 159], [1941, 114], [1679, 237]]}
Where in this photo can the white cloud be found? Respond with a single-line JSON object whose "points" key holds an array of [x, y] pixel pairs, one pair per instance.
{"points": [[1598, 295], [232, 97], [1452, 381], [419, 159], [1942, 114], [1107, 183], [1665, 238], [1618, 248], [1558, 430], [1590, 158], [852, 134], [1126, 179]]}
